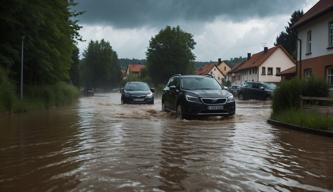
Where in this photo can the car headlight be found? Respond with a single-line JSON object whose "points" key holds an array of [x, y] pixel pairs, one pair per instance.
{"points": [[150, 95], [192, 99], [230, 99]]}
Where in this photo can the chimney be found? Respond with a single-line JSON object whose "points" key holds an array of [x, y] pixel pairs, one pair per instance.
{"points": [[248, 56], [219, 61], [265, 49]]}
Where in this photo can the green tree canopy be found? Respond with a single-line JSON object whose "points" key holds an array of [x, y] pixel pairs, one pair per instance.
{"points": [[100, 68], [288, 38], [170, 52], [50, 33]]}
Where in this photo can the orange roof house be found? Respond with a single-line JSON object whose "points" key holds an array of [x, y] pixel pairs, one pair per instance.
{"points": [[213, 70], [134, 69]]}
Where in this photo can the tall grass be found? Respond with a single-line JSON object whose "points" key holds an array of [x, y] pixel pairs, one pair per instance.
{"points": [[35, 97], [306, 119], [7, 92]]}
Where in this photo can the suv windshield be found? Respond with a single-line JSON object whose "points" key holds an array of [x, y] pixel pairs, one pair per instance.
{"points": [[200, 83], [136, 86]]}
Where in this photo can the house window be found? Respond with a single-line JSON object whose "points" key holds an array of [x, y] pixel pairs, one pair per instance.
{"points": [[278, 70], [308, 42], [250, 71], [329, 76], [307, 73], [225, 68], [330, 35], [263, 72], [269, 71]]}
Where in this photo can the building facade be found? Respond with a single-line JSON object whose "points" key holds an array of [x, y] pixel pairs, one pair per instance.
{"points": [[264, 66], [315, 46]]}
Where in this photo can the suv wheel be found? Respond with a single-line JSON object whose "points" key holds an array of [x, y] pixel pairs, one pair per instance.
{"points": [[163, 107], [179, 112], [241, 96]]}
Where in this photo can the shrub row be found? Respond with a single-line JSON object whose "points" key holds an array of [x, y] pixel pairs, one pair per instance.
{"points": [[36, 97], [287, 95]]}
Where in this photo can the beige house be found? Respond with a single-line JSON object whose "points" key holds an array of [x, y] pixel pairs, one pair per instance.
{"points": [[212, 69], [264, 66]]}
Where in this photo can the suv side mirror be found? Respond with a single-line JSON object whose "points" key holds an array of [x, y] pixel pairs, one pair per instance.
{"points": [[173, 87], [121, 90], [152, 90]]}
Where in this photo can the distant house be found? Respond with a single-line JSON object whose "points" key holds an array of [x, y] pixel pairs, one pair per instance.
{"points": [[315, 49], [263, 66], [223, 66], [212, 69], [133, 70]]}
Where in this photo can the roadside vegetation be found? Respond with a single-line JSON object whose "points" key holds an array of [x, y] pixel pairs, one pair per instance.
{"points": [[51, 64], [286, 103]]}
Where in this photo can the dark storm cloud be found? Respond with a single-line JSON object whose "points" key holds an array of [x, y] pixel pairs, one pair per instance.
{"points": [[132, 13]]}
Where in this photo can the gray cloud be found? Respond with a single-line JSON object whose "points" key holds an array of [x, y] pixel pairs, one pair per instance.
{"points": [[135, 13]]}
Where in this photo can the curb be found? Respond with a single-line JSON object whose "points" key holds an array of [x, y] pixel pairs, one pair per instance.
{"points": [[299, 128]]}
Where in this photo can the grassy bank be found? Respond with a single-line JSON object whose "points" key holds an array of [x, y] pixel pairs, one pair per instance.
{"points": [[305, 119], [36, 97]]}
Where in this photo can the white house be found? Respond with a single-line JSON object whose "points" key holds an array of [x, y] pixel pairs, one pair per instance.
{"points": [[263, 66], [212, 69], [315, 48]]}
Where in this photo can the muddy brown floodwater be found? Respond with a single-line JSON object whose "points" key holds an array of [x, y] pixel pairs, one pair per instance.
{"points": [[100, 145]]}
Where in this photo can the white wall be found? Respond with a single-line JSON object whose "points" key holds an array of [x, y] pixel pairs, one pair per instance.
{"points": [[278, 59], [319, 28], [217, 74]]}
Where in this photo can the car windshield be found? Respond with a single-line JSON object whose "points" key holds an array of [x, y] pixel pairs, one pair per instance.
{"points": [[270, 86], [136, 86], [200, 83]]}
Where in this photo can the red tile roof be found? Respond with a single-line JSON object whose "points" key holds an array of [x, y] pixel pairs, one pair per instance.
{"points": [[258, 59], [204, 70], [135, 68], [317, 10]]}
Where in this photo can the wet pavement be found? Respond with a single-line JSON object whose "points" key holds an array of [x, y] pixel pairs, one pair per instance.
{"points": [[100, 145]]}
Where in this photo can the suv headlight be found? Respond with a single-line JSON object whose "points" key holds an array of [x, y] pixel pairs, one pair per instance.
{"points": [[150, 95], [230, 99], [192, 99]]}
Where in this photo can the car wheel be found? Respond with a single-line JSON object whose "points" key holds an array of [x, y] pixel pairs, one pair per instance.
{"points": [[241, 96], [163, 107], [179, 112]]}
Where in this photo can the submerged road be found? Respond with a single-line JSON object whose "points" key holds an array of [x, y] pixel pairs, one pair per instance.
{"points": [[100, 145]]}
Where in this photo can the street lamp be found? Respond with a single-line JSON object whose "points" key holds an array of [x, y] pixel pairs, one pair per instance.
{"points": [[22, 52]]}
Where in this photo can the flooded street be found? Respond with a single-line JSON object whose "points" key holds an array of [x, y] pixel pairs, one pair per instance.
{"points": [[100, 145]]}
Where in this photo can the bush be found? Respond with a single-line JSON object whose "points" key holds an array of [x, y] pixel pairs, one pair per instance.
{"points": [[312, 120], [54, 95], [287, 95], [7, 92]]}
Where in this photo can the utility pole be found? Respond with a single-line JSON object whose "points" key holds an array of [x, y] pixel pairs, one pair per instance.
{"points": [[299, 70], [22, 61]]}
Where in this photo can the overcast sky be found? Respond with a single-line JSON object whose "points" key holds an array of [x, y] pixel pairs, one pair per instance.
{"points": [[221, 28]]}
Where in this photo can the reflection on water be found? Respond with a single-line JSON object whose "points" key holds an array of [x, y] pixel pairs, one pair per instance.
{"points": [[100, 145]]}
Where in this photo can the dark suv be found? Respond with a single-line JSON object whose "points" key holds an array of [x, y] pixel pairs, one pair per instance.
{"points": [[256, 90], [196, 95]]}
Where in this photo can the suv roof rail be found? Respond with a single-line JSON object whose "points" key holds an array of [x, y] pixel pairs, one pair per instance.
{"points": [[175, 75], [209, 75]]}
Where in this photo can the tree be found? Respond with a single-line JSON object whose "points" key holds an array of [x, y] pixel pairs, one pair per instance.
{"points": [[169, 53], [50, 33], [100, 68], [288, 38], [75, 68]]}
